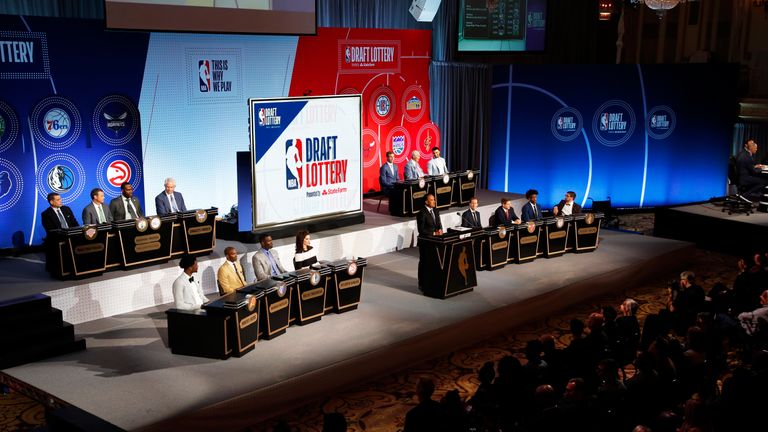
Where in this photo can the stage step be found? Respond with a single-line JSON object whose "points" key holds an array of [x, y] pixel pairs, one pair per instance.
{"points": [[31, 330], [71, 418]]}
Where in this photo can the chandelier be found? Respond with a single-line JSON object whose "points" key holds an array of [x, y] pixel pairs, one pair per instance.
{"points": [[662, 6]]}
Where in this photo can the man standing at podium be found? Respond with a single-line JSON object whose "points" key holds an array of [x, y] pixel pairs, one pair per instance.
{"points": [[57, 216], [169, 201], [428, 224], [187, 291], [437, 165], [126, 206], [96, 212], [471, 217], [531, 210], [265, 262], [567, 207], [388, 174], [413, 170], [230, 275]]}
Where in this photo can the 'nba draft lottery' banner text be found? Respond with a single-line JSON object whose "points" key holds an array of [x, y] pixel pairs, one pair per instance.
{"points": [[306, 158], [390, 69]]}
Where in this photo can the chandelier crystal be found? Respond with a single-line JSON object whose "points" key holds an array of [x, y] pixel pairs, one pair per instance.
{"points": [[661, 6]]}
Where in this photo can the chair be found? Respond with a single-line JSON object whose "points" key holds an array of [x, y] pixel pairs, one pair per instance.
{"points": [[735, 202]]}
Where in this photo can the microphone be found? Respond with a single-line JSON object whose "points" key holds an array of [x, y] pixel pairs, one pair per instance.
{"points": [[458, 213]]}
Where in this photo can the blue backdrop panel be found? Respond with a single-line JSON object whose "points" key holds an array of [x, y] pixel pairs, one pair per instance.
{"points": [[639, 135], [68, 117]]}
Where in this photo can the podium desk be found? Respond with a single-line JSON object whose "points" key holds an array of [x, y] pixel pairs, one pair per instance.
{"points": [[275, 306], [345, 284], [555, 235], [442, 187], [196, 333], [145, 240], [587, 228], [496, 246], [525, 243], [240, 313], [408, 197], [78, 252], [464, 188], [308, 295], [449, 264], [198, 231]]}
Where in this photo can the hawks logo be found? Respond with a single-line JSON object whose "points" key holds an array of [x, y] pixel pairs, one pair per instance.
{"points": [[293, 163], [118, 172]]}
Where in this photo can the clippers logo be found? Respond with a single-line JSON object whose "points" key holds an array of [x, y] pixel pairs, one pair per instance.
{"points": [[56, 123], [293, 164], [118, 172], [383, 105], [204, 72], [61, 178]]}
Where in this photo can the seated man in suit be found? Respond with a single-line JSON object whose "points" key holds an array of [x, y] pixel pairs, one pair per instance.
{"points": [[566, 206], [388, 174], [126, 206], [57, 216], [749, 171], [96, 212], [505, 214], [187, 291], [471, 217], [266, 262], [230, 275], [169, 201], [437, 165], [531, 210], [413, 170], [428, 224]]}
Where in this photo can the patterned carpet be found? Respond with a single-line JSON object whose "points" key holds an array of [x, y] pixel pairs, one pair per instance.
{"points": [[19, 413]]}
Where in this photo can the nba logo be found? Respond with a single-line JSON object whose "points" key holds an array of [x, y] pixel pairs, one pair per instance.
{"points": [[293, 164], [653, 121], [347, 56], [262, 117], [204, 72], [560, 123], [604, 122]]}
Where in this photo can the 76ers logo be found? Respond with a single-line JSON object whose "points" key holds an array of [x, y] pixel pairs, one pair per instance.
{"points": [[118, 172], [293, 163], [204, 71]]}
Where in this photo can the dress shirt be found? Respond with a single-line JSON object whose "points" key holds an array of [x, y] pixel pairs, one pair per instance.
{"points": [[62, 219], [188, 294], [130, 210], [172, 201], [437, 166], [567, 209]]}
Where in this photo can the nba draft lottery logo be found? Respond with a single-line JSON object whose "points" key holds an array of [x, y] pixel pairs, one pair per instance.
{"points": [[268, 117], [115, 168], [314, 162], [115, 120], [613, 123], [56, 123], [566, 124], [11, 184], [204, 72], [63, 174], [660, 122]]}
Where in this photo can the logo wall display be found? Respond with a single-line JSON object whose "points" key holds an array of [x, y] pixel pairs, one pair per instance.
{"points": [[115, 168], [370, 148], [566, 124], [613, 123], [24, 55], [381, 106], [294, 165], [399, 143], [413, 103], [63, 174], [115, 120], [9, 126], [11, 184], [427, 138], [56, 123], [213, 75], [660, 122]]}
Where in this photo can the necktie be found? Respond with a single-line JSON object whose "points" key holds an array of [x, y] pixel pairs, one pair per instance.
{"points": [[62, 221], [431, 213], [102, 219], [474, 214], [533, 206], [173, 203], [507, 213], [237, 272], [391, 169], [129, 206], [272, 262]]}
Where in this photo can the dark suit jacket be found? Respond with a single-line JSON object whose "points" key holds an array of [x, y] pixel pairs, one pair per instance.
{"points": [[91, 217], [467, 221], [386, 179], [51, 221], [162, 206], [528, 214], [117, 208], [576, 207], [501, 218], [426, 225]]}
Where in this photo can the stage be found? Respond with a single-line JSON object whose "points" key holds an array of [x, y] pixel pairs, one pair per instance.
{"points": [[128, 376]]}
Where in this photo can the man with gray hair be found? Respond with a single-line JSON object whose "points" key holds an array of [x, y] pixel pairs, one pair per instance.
{"points": [[169, 201], [413, 170], [687, 300]]}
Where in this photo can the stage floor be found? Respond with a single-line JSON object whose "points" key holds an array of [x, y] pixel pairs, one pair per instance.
{"points": [[128, 376]]}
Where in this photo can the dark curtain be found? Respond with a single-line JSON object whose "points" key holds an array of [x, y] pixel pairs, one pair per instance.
{"points": [[93, 9], [461, 105]]}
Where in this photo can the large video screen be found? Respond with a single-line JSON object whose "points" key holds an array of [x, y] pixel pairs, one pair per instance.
{"points": [[306, 159], [502, 25], [295, 17]]}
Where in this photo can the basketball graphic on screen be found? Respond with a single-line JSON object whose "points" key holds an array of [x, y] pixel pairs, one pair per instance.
{"points": [[56, 123]]}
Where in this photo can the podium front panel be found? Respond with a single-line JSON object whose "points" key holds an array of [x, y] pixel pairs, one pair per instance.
{"points": [[243, 325], [443, 190], [556, 236], [114, 250], [88, 249], [418, 192], [527, 244], [145, 240], [587, 227], [179, 239], [196, 333], [275, 305], [308, 297], [450, 265], [497, 247], [345, 285], [466, 186], [397, 200], [200, 230]]}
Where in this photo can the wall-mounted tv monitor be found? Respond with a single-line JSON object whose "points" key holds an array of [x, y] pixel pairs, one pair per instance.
{"points": [[502, 25], [294, 17]]}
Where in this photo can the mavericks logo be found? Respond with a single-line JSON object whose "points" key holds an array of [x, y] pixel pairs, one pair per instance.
{"points": [[61, 178]]}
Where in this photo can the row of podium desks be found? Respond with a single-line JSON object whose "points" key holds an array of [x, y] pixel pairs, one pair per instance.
{"points": [[90, 250], [453, 189], [231, 325], [452, 259]]}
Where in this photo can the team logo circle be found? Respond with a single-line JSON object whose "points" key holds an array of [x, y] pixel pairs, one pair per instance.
{"points": [[141, 224], [115, 120], [281, 289], [56, 123], [201, 215], [413, 103], [89, 232], [9, 127], [11, 184], [446, 178], [251, 302], [422, 183], [531, 227], [560, 222], [115, 168], [352, 268], [589, 219], [370, 147], [63, 174], [399, 142], [470, 175], [314, 277], [613, 123], [427, 138], [502, 232], [566, 124], [660, 122], [381, 105], [155, 222]]}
